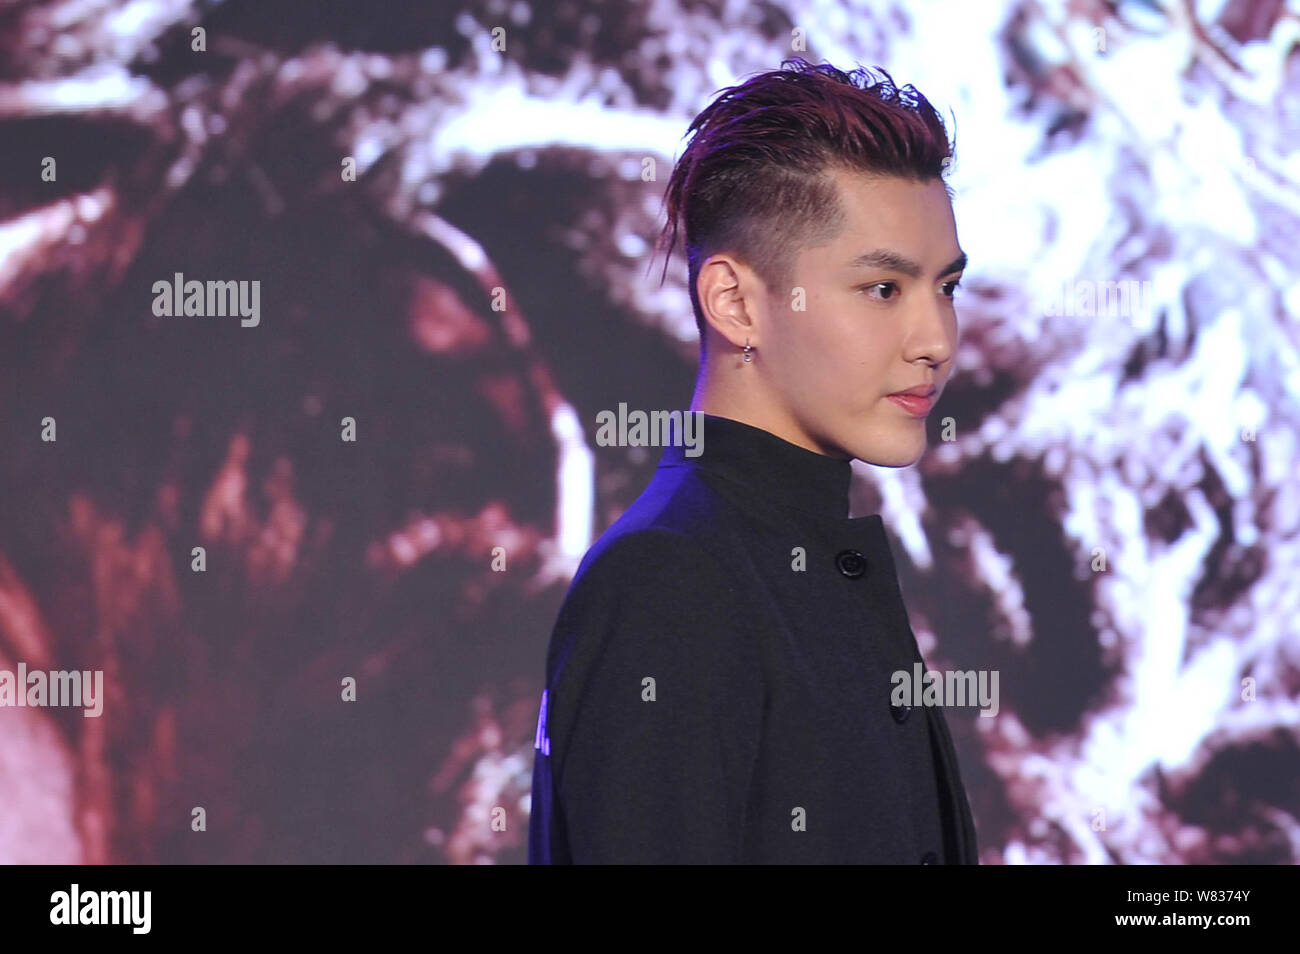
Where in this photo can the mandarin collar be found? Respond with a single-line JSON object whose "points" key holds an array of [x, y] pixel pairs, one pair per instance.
{"points": [[769, 467]]}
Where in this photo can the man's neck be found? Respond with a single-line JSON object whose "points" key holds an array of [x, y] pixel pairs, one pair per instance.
{"points": [[747, 406]]}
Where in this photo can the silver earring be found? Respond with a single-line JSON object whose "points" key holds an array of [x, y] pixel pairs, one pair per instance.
{"points": [[748, 349]]}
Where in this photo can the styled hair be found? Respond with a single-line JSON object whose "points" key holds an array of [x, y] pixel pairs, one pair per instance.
{"points": [[754, 179]]}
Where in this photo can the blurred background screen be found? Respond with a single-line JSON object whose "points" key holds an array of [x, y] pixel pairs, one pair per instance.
{"points": [[316, 546]]}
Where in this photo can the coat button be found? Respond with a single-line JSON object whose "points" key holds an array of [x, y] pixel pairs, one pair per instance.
{"points": [[929, 858], [851, 563], [900, 713]]}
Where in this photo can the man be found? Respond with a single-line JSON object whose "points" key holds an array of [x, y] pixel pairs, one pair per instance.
{"points": [[719, 677]]}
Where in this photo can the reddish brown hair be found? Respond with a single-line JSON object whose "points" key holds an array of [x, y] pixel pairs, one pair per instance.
{"points": [[753, 181]]}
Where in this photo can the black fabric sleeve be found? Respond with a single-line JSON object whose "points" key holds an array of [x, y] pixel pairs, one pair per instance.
{"points": [[656, 706]]}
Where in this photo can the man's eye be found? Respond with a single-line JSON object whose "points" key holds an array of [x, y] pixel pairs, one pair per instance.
{"points": [[888, 285], [952, 287]]}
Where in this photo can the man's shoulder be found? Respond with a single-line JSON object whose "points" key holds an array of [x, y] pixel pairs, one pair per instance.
{"points": [[655, 565], [675, 526], [631, 557]]}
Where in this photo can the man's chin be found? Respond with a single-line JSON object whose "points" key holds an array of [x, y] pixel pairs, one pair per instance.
{"points": [[899, 454]]}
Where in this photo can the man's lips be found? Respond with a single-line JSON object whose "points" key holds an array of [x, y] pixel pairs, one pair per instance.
{"points": [[915, 404]]}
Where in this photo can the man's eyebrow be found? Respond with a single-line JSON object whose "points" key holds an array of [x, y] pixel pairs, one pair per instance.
{"points": [[892, 261]]}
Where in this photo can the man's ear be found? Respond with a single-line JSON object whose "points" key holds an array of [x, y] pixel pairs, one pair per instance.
{"points": [[728, 292]]}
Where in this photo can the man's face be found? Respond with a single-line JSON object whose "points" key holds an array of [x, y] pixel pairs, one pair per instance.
{"points": [[879, 318]]}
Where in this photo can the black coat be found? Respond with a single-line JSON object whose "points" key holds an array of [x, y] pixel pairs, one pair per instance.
{"points": [[708, 701]]}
